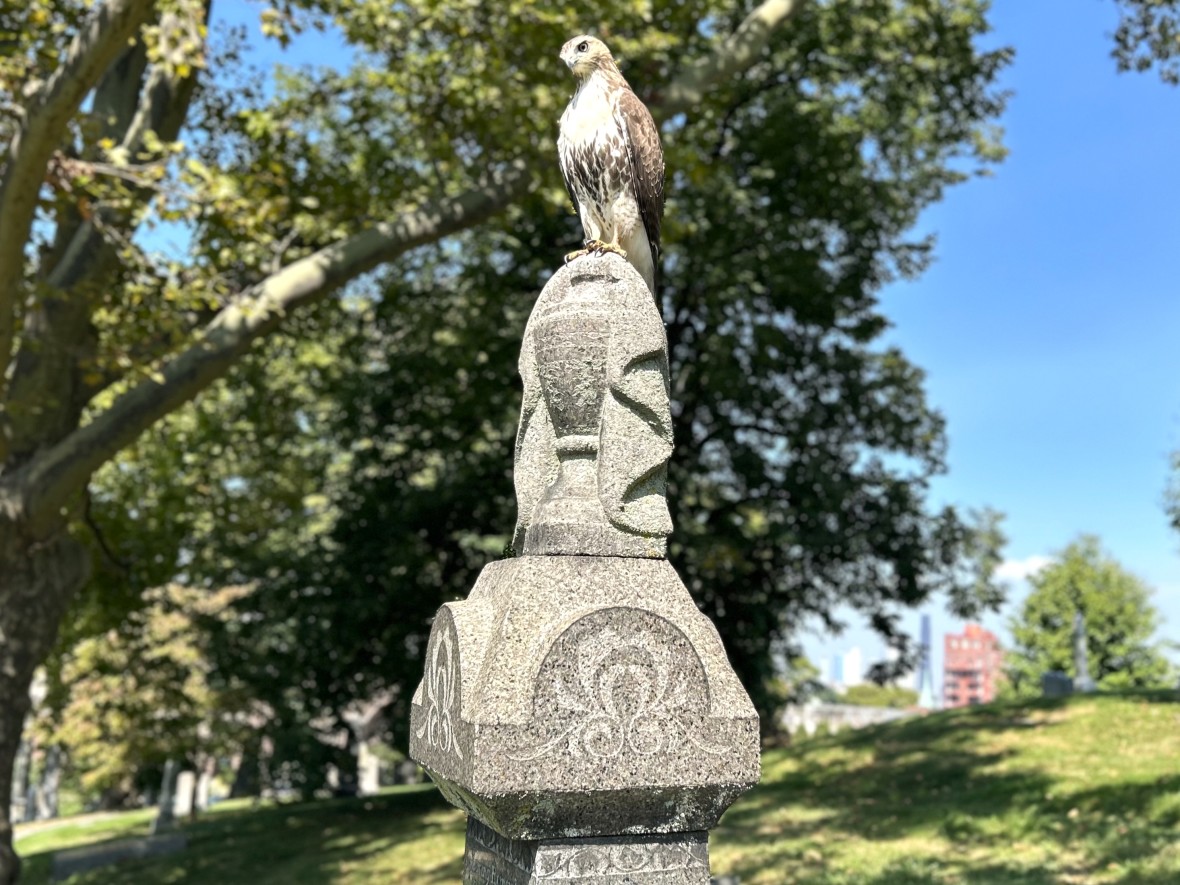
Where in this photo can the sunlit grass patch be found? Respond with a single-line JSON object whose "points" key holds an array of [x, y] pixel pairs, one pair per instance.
{"points": [[1083, 791]]}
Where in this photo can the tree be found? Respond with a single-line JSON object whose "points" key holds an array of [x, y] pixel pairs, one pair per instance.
{"points": [[134, 697], [870, 695], [1120, 621], [107, 132], [804, 448], [1148, 36]]}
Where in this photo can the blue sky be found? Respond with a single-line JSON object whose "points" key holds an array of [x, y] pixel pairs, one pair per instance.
{"points": [[1050, 324]]}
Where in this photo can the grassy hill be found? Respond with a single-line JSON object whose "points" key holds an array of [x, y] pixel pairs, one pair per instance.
{"points": [[1049, 793]]}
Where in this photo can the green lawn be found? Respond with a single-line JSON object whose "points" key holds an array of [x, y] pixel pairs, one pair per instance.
{"points": [[1084, 791]]}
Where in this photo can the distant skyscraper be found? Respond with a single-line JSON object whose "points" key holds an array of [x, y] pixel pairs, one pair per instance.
{"points": [[847, 669], [971, 667], [926, 671], [854, 667]]}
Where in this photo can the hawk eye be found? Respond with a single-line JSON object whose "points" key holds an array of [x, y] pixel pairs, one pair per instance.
{"points": [[583, 46]]}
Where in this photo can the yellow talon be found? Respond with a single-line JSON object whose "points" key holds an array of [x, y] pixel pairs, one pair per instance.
{"points": [[599, 247], [595, 247]]}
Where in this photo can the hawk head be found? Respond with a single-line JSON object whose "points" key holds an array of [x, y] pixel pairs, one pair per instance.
{"points": [[585, 54]]}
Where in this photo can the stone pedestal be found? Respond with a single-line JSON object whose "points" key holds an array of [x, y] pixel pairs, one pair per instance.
{"points": [[673, 859], [583, 696], [1083, 682], [577, 704]]}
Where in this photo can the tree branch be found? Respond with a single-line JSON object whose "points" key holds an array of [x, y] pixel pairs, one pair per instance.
{"points": [[46, 393], [736, 53], [47, 482], [47, 115], [162, 108]]}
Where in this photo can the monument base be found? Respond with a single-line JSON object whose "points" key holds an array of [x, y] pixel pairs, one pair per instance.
{"points": [[652, 859]]}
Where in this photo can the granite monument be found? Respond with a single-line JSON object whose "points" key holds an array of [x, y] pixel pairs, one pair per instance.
{"points": [[577, 705]]}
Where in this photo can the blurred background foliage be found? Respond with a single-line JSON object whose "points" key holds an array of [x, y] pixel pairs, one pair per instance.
{"points": [[1119, 621], [354, 471]]}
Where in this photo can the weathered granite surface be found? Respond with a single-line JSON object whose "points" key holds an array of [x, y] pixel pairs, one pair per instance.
{"points": [[595, 429], [493, 859], [583, 696], [578, 705]]}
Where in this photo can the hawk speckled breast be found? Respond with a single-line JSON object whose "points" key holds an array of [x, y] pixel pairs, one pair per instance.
{"points": [[611, 160]]}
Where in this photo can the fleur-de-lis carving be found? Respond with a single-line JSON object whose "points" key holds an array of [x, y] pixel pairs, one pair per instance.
{"points": [[626, 697], [438, 726]]}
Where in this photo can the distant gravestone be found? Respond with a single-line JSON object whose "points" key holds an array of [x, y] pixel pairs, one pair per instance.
{"points": [[204, 788], [47, 795], [186, 793], [163, 821], [813, 717], [1056, 684], [368, 770], [407, 772], [1081, 662]]}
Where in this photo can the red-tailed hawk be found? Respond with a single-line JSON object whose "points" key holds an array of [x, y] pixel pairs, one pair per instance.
{"points": [[611, 160]]}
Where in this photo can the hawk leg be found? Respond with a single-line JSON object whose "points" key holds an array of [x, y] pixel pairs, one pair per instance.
{"points": [[595, 247], [598, 247]]}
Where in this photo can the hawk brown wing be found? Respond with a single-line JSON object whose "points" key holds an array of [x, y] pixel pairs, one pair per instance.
{"points": [[647, 165], [565, 160]]}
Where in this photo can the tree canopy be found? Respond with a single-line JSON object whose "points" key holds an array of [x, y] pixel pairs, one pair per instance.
{"points": [[870, 695], [1119, 617], [266, 193], [803, 447], [1148, 37], [172, 220]]}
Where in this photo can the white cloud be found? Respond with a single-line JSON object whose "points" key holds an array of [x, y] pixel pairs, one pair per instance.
{"points": [[1021, 569]]}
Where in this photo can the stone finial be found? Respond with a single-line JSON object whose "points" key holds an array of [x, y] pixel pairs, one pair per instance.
{"points": [[595, 428]]}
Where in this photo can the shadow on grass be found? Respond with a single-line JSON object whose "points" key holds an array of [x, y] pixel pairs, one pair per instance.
{"points": [[889, 780], [933, 777], [916, 872], [310, 842]]}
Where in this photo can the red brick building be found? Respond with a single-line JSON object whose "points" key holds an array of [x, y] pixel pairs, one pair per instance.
{"points": [[971, 667]]}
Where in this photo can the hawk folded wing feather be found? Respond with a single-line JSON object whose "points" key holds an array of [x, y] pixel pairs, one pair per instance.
{"points": [[647, 164]]}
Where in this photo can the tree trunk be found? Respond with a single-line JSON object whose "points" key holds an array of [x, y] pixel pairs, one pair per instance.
{"points": [[247, 781], [37, 582]]}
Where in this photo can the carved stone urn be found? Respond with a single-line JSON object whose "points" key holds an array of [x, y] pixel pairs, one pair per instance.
{"points": [[578, 705]]}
